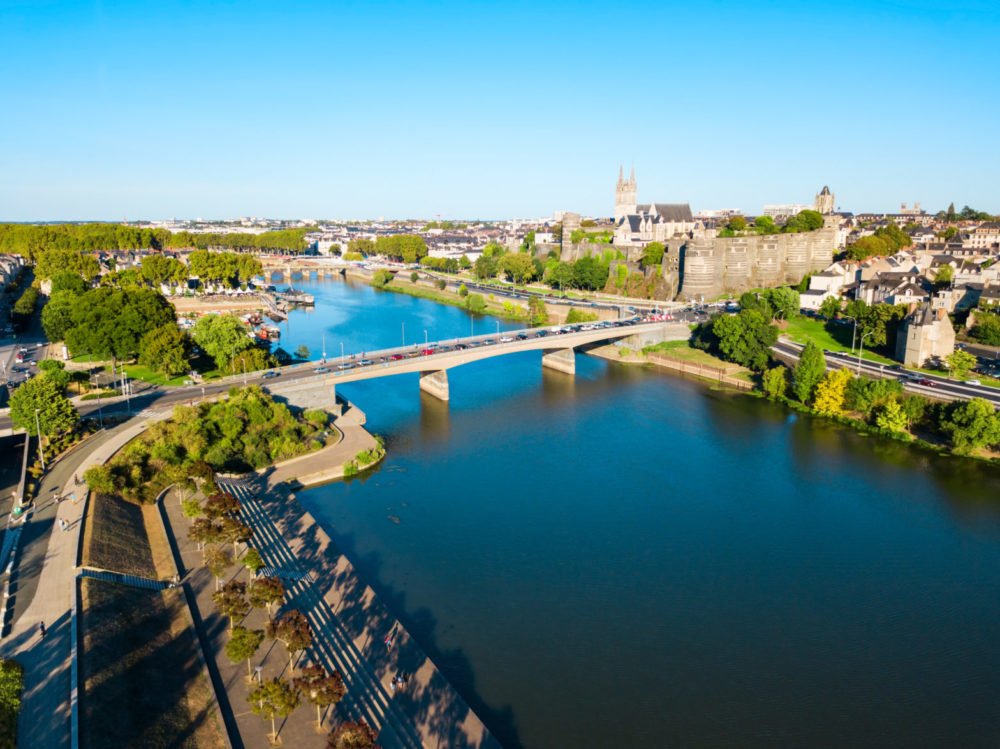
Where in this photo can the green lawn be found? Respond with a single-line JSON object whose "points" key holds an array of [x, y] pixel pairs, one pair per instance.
{"points": [[828, 336], [682, 350]]}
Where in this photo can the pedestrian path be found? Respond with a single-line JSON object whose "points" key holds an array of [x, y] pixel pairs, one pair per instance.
{"points": [[351, 625]]}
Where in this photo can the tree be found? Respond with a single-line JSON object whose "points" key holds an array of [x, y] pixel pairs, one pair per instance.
{"points": [[67, 280], [971, 425], [320, 688], [830, 307], [464, 263], [945, 275], [808, 371], [382, 278], [253, 561], [484, 267], [293, 629], [302, 352], [960, 362], [518, 267], [746, 338], [463, 290], [57, 314], [243, 644], [266, 591], [987, 328], [765, 225], [441, 284], [475, 304], [414, 276], [100, 479], [165, 349], [55, 414], [561, 275], [775, 382], [891, 416], [221, 337], [352, 735], [231, 601], [737, 223], [252, 359], [652, 254], [274, 698], [233, 531], [218, 560], [913, 408], [110, 323], [831, 392], [205, 531], [784, 301]]}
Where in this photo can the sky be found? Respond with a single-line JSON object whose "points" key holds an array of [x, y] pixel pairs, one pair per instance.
{"points": [[354, 110]]}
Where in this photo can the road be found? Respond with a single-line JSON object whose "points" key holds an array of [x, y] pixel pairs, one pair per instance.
{"points": [[940, 388], [167, 397]]}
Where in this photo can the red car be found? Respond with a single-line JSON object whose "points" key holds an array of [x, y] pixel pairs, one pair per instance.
{"points": [[427, 351], [926, 383], [397, 357]]}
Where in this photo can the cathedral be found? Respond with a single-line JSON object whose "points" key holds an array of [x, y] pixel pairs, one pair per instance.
{"points": [[639, 224]]}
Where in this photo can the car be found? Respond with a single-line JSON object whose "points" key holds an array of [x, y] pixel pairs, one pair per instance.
{"points": [[521, 337], [345, 365], [973, 382], [427, 351], [270, 374], [925, 382], [461, 346], [365, 362], [321, 370], [397, 357], [506, 339], [542, 333], [489, 342]]}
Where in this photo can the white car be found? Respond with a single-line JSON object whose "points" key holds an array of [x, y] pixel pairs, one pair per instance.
{"points": [[506, 339]]}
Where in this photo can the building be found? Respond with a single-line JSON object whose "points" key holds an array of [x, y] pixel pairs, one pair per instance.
{"points": [[824, 202], [638, 225], [925, 334], [784, 210]]}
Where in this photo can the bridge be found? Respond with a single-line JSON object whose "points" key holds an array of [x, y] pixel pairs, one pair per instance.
{"points": [[316, 386]]}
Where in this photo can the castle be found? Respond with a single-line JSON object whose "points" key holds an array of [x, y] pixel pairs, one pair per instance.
{"points": [[698, 264]]}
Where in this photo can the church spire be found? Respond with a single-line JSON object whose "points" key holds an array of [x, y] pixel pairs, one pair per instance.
{"points": [[631, 176], [621, 175]]}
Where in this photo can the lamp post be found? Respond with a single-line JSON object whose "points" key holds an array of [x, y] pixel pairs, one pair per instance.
{"points": [[41, 452], [425, 339], [861, 350], [244, 371], [402, 326], [853, 332], [260, 682], [341, 352]]}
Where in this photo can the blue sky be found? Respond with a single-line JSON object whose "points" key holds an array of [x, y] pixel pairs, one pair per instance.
{"points": [[490, 110]]}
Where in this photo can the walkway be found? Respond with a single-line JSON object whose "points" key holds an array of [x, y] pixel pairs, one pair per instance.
{"points": [[45, 719], [351, 625]]}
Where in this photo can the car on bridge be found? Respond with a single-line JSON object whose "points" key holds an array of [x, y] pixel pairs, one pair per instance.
{"points": [[397, 357], [506, 339], [321, 370], [270, 374], [427, 351]]}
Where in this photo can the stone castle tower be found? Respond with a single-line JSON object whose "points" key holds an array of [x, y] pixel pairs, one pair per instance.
{"points": [[825, 201], [626, 195]]}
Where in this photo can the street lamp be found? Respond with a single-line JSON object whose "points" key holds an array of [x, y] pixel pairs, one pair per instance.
{"points": [[862, 348], [853, 332], [41, 452], [425, 339], [341, 352], [260, 682], [402, 326]]}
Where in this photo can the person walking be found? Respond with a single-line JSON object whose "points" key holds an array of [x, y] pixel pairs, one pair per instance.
{"points": [[41, 627]]}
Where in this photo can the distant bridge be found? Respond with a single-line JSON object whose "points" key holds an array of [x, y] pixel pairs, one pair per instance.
{"points": [[433, 360]]}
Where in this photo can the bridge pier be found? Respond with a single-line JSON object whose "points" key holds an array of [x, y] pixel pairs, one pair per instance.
{"points": [[560, 359], [435, 383]]}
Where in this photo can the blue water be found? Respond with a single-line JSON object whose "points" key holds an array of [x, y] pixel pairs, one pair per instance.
{"points": [[627, 558]]}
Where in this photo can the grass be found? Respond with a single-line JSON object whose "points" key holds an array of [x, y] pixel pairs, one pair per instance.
{"points": [[143, 683], [683, 350], [449, 298], [115, 537], [11, 687], [828, 336], [136, 372]]}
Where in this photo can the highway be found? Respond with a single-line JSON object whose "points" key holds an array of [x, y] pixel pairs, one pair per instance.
{"points": [[432, 355], [941, 388]]}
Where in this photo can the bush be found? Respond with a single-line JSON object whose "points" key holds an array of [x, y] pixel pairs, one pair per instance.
{"points": [[414, 276], [463, 291], [475, 303], [11, 687], [381, 278], [350, 468], [441, 284], [192, 508]]}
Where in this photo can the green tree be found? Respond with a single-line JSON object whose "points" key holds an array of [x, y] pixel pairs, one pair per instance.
{"points": [[737, 223], [765, 225], [382, 278], [222, 337], [57, 314], [100, 479], [231, 601], [475, 304], [517, 267], [265, 592], [485, 267], [243, 645], [891, 416], [302, 352], [251, 359], [463, 290], [913, 408], [971, 425], [746, 338], [987, 328], [830, 307], [218, 560], [960, 362], [775, 382], [414, 276], [274, 698], [253, 561], [652, 254], [831, 392], [67, 280], [808, 372], [54, 411], [783, 301], [352, 735], [110, 323], [165, 349], [320, 688], [945, 275]]}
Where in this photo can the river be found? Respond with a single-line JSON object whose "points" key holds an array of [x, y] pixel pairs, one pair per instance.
{"points": [[628, 558]]}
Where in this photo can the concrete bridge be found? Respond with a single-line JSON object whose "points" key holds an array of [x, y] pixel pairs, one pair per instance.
{"points": [[311, 389]]}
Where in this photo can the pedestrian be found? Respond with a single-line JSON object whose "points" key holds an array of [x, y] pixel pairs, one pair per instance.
{"points": [[41, 626]]}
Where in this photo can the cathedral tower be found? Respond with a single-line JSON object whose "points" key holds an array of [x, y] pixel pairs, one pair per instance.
{"points": [[626, 194]]}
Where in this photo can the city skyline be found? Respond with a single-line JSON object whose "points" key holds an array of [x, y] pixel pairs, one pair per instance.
{"points": [[153, 112]]}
